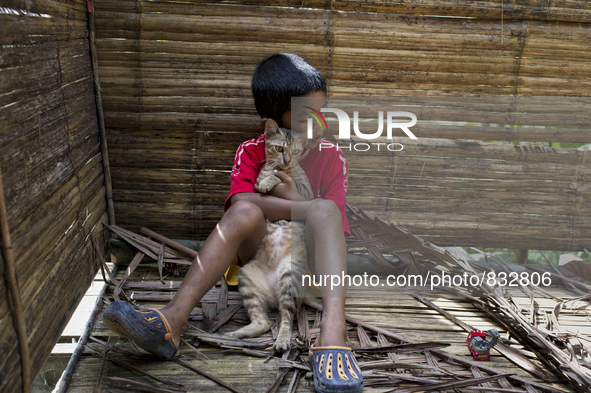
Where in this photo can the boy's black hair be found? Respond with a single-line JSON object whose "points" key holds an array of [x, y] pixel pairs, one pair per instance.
{"points": [[280, 77]]}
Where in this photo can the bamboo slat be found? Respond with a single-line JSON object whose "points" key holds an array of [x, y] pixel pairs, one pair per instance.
{"points": [[484, 10], [202, 196], [389, 61], [561, 189], [489, 9], [510, 134], [483, 169], [531, 10], [570, 11], [472, 206], [166, 176], [428, 193], [434, 220]]}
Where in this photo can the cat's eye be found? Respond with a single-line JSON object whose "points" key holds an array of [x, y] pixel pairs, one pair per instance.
{"points": [[296, 152], [279, 148]]}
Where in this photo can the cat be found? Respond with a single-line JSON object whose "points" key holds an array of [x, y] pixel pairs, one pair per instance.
{"points": [[270, 279]]}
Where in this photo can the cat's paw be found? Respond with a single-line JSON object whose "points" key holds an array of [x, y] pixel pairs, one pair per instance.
{"points": [[267, 184], [282, 223], [283, 342]]}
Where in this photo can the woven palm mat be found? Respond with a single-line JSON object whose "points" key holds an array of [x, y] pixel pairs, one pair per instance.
{"points": [[389, 361]]}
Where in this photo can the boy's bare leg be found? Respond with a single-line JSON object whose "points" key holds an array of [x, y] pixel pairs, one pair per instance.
{"points": [[327, 253], [241, 229]]}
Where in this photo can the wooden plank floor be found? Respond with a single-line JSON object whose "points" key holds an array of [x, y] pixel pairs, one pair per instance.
{"points": [[393, 310], [73, 330]]}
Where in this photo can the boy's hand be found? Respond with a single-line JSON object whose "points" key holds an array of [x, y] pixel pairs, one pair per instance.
{"points": [[283, 190]]}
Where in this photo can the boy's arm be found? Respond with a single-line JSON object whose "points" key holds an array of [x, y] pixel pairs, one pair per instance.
{"points": [[282, 203]]}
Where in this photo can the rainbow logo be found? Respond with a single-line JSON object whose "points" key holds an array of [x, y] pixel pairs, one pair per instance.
{"points": [[317, 115]]}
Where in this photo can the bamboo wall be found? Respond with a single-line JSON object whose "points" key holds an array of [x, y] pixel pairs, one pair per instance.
{"points": [[176, 76], [52, 173]]}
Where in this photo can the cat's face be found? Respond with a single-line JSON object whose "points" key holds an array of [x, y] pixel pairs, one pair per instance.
{"points": [[282, 146]]}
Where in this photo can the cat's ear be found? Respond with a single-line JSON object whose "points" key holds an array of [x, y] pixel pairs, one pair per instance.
{"points": [[271, 127]]}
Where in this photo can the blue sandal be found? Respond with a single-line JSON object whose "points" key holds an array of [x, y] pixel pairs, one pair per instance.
{"points": [[335, 370], [146, 327]]}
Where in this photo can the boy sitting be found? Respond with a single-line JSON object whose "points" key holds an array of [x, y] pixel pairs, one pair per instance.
{"points": [[243, 226]]}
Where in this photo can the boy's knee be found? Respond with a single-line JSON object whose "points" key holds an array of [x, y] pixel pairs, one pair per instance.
{"points": [[245, 214], [322, 210]]}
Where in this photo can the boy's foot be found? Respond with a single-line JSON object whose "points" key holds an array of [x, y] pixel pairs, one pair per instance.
{"points": [[148, 328], [333, 363], [335, 370]]}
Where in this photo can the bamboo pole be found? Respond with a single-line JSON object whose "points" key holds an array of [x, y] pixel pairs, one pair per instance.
{"points": [[101, 119], [15, 299], [64, 381], [169, 242]]}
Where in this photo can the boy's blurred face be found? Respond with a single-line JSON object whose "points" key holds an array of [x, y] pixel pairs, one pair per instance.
{"points": [[297, 120]]}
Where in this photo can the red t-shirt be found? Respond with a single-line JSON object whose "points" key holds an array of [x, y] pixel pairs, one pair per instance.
{"points": [[325, 166]]}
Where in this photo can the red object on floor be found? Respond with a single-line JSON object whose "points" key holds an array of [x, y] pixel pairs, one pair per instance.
{"points": [[471, 340]]}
